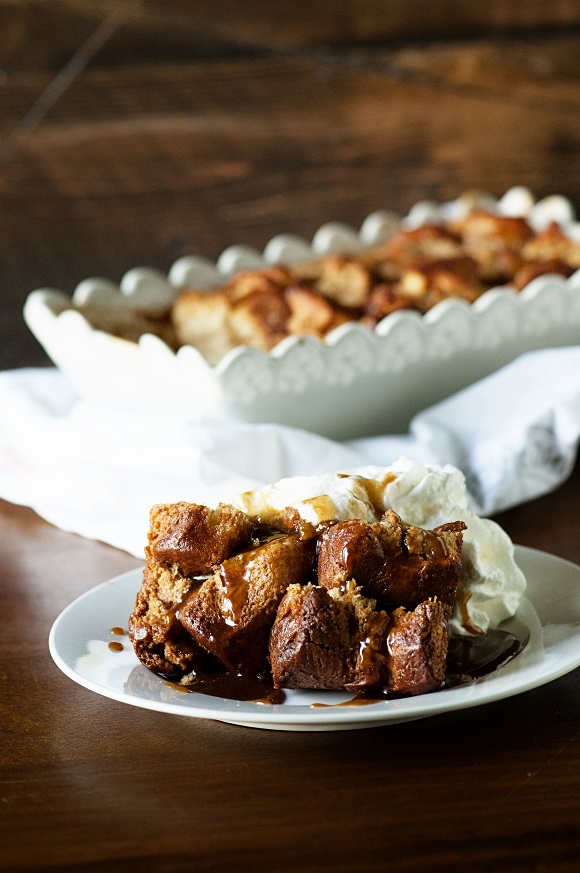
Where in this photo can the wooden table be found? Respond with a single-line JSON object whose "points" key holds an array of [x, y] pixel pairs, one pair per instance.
{"points": [[136, 139]]}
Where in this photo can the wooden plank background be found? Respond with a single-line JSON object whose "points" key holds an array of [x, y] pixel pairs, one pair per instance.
{"points": [[136, 133]]}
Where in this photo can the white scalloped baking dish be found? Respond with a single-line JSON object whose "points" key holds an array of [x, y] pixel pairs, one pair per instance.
{"points": [[356, 382]]}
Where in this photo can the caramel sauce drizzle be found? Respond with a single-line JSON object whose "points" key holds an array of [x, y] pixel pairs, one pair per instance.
{"points": [[116, 647]]}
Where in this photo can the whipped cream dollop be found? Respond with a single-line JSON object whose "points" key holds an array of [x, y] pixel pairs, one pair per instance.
{"points": [[491, 583]]}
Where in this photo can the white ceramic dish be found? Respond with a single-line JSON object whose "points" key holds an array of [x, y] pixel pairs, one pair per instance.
{"points": [[356, 382], [80, 637]]}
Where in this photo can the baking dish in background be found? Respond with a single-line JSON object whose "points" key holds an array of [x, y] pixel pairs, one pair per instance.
{"points": [[356, 382]]}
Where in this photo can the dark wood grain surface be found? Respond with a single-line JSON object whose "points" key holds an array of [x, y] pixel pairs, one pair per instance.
{"points": [[134, 135]]}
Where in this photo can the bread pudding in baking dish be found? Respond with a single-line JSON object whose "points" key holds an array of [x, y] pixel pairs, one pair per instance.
{"points": [[415, 269], [349, 335]]}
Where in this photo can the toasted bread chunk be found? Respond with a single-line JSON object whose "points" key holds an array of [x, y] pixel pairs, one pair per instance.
{"points": [[417, 644], [420, 564], [344, 280], [195, 538], [160, 642], [259, 319], [349, 550], [496, 264], [426, 241], [201, 319], [395, 563], [328, 639], [532, 269], [384, 299], [495, 242], [552, 244], [503, 230], [232, 612], [309, 312], [268, 280], [434, 280]]}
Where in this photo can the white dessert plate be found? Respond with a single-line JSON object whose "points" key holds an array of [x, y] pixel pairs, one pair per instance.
{"points": [[356, 382], [81, 637]]}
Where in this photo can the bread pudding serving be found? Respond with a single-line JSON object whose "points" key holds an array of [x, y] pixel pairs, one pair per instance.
{"points": [[322, 583]]}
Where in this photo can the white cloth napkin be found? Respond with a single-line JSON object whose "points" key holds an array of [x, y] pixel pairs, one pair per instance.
{"points": [[97, 472]]}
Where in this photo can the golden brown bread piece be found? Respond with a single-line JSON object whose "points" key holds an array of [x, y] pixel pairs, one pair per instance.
{"points": [[532, 269], [417, 646], [232, 612], [500, 230], [260, 319], [185, 541], [328, 639], [349, 550], [429, 281], [159, 641], [495, 242], [384, 299], [268, 280], [552, 243], [195, 538], [344, 280], [419, 564], [311, 313], [336, 639], [201, 319], [396, 563], [430, 241]]}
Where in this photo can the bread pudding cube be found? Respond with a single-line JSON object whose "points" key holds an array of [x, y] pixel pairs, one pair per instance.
{"points": [[231, 613], [195, 538], [553, 244], [435, 280], [201, 319], [336, 639], [260, 319], [309, 312], [425, 241], [396, 563], [495, 242], [267, 280], [328, 639], [417, 645], [342, 279], [386, 298], [159, 640]]}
